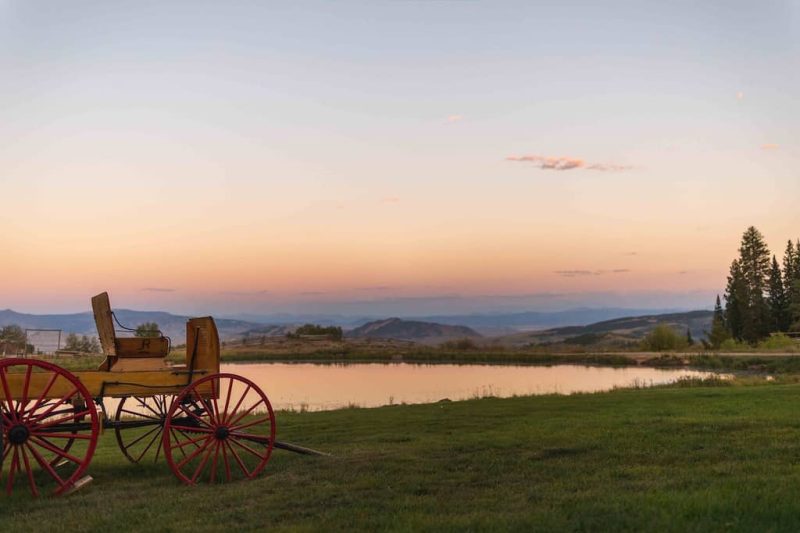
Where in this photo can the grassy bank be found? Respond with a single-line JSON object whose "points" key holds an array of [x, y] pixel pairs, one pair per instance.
{"points": [[677, 459]]}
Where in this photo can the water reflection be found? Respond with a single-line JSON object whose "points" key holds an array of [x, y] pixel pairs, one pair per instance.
{"points": [[316, 387]]}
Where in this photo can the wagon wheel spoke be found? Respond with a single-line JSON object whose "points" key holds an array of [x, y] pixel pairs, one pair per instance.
{"points": [[150, 444], [239, 403], [238, 459], [247, 448], [193, 415], [195, 453], [142, 437], [134, 413], [174, 437], [52, 408], [143, 403], [214, 462], [12, 470], [46, 466], [251, 424], [52, 423], [227, 401], [227, 464], [205, 459], [25, 388], [42, 397], [250, 410], [55, 449], [28, 469], [7, 394]]}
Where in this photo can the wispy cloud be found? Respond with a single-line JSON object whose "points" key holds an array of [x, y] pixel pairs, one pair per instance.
{"points": [[574, 273], [770, 146], [246, 293], [578, 273], [631, 253], [390, 200], [156, 289], [454, 118], [376, 288], [566, 163]]}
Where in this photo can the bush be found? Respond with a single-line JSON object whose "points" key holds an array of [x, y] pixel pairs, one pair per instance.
{"points": [[732, 345], [148, 329], [334, 332], [82, 344], [462, 345], [663, 338], [777, 341]]}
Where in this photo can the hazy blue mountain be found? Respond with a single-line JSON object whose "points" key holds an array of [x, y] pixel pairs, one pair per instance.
{"points": [[173, 326]]}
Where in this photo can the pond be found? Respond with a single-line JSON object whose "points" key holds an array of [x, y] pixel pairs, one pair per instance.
{"points": [[319, 387]]}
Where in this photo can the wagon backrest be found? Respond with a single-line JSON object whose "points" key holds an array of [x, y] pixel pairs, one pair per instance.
{"points": [[202, 344], [123, 347], [105, 323]]}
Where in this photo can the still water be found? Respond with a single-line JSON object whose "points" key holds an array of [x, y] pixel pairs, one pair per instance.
{"points": [[319, 387]]}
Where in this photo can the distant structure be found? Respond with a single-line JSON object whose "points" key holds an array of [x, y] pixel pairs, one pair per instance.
{"points": [[42, 341]]}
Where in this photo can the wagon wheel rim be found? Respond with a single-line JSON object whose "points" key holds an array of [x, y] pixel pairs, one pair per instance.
{"points": [[46, 439], [221, 428], [149, 417]]}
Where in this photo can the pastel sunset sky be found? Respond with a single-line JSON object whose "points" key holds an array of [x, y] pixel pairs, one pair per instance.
{"points": [[391, 157]]}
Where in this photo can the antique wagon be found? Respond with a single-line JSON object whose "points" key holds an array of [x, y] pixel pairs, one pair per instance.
{"points": [[209, 426]]}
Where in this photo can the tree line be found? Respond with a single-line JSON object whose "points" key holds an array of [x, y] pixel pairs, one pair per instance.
{"points": [[762, 296]]}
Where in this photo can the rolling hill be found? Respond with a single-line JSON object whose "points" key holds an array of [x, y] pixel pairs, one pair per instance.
{"points": [[411, 330], [616, 332]]}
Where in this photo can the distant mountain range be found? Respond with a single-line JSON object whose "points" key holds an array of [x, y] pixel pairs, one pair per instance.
{"points": [[616, 332], [173, 326], [411, 330], [605, 324], [484, 323], [538, 320]]}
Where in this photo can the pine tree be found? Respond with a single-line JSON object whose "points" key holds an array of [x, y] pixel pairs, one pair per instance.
{"points": [[791, 281], [736, 298], [789, 267], [754, 259], [719, 331], [689, 339], [778, 304]]}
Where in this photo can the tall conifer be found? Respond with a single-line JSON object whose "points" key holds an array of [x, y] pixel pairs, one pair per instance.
{"points": [[719, 332], [736, 298], [778, 304]]}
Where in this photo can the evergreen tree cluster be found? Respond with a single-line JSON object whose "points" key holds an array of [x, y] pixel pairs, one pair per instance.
{"points": [[762, 296]]}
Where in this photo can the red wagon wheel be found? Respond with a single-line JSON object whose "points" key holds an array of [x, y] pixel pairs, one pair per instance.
{"points": [[221, 428], [49, 421], [143, 424]]}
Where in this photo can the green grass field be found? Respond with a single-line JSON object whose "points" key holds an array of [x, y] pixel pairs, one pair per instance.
{"points": [[675, 459]]}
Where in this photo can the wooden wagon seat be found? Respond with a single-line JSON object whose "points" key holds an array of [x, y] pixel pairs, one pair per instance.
{"points": [[126, 353]]}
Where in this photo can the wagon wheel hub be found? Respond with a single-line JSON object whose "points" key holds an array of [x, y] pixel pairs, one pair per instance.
{"points": [[18, 434], [222, 432]]}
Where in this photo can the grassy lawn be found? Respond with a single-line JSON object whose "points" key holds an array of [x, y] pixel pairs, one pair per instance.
{"points": [[677, 459]]}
